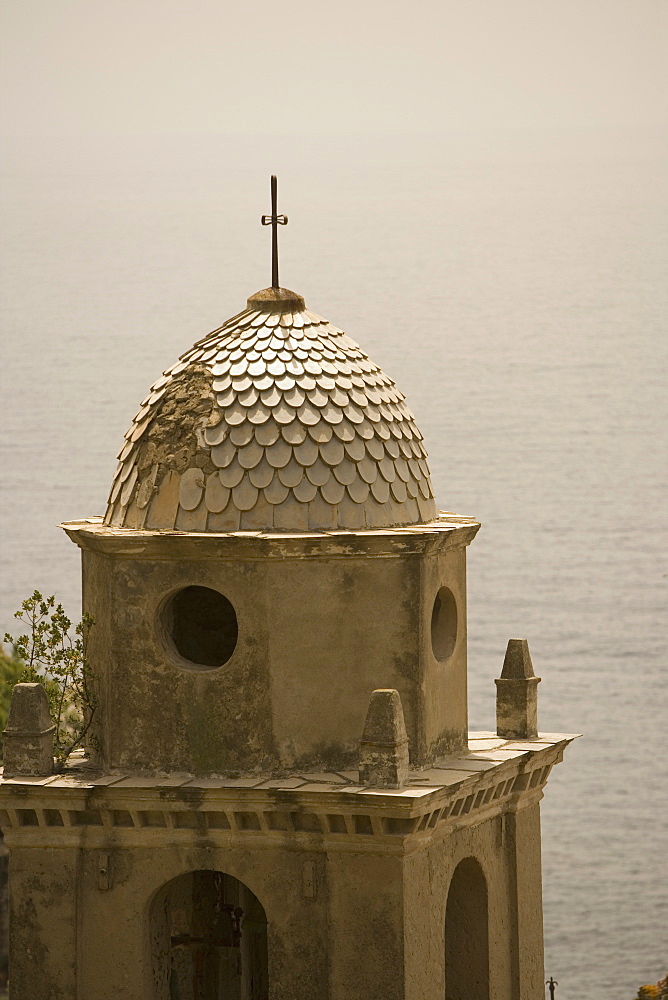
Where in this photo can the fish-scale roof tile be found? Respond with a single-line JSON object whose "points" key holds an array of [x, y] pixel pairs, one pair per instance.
{"points": [[277, 420]]}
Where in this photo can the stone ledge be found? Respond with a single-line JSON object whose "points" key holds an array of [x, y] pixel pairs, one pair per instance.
{"points": [[321, 805], [448, 531], [486, 752]]}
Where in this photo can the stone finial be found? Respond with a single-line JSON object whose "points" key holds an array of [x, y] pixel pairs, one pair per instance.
{"points": [[517, 694], [384, 744], [28, 738]]}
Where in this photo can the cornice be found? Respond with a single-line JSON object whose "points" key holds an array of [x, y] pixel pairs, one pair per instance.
{"points": [[449, 531], [133, 811]]}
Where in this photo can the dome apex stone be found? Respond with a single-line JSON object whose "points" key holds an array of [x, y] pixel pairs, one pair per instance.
{"points": [[272, 300]]}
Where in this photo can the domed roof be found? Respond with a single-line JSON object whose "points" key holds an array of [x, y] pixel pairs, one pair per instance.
{"points": [[275, 421]]}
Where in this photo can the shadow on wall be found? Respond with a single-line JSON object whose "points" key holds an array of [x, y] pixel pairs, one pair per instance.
{"points": [[4, 917], [466, 934], [209, 939]]}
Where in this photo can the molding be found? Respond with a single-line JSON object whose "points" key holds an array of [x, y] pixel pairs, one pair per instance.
{"points": [[450, 531], [69, 813]]}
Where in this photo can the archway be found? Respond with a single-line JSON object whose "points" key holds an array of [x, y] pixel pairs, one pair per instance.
{"points": [[466, 934], [208, 940]]}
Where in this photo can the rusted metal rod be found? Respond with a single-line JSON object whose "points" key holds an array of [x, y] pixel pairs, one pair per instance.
{"points": [[274, 220]]}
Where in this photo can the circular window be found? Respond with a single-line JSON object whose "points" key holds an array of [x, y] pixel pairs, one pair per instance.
{"points": [[202, 626], [444, 624]]}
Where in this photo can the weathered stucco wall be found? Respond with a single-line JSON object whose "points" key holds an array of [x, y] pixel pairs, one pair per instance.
{"points": [[525, 885], [156, 713], [342, 924], [366, 950], [429, 874], [443, 692], [339, 629], [43, 947], [319, 629]]}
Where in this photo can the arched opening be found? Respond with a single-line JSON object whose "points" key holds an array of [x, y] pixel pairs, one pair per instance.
{"points": [[208, 940], [444, 624], [466, 934]]}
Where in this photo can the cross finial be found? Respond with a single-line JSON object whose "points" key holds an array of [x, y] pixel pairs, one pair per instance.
{"points": [[274, 220], [552, 983]]}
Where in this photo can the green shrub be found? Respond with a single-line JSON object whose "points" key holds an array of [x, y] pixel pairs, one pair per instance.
{"points": [[11, 672], [54, 653]]}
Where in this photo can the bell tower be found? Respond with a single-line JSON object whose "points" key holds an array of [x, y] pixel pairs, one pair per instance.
{"points": [[286, 801], [267, 516]]}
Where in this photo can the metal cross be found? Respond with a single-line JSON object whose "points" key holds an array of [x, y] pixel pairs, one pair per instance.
{"points": [[274, 220], [551, 983]]}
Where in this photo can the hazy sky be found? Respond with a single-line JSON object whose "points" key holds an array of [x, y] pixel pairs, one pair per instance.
{"points": [[87, 67]]}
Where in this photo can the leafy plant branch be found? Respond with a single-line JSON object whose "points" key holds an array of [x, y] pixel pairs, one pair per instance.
{"points": [[56, 654]]}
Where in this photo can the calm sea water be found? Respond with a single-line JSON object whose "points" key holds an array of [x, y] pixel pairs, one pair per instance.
{"points": [[515, 288]]}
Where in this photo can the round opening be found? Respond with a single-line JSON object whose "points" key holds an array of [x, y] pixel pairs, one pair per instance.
{"points": [[202, 625], [444, 624]]}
